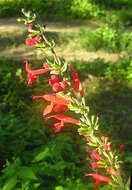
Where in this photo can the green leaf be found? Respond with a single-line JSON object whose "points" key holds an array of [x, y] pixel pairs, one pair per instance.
{"points": [[83, 101], [41, 155], [10, 184], [64, 67], [59, 188], [54, 72], [26, 172]]}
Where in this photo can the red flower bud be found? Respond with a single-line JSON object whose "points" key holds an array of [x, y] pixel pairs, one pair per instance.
{"points": [[30, 26], [96, 155], [122, 147], [80, 132], [95, 165], [88, 159]]}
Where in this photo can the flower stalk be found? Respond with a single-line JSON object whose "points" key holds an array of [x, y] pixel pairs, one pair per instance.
{"points": [[65, 83]]}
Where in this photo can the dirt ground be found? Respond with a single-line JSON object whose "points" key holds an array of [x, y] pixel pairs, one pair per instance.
{"points": [[69, 53]]}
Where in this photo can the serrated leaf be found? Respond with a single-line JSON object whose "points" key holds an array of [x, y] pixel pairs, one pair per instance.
{"points": [[10, 184], [26, 172]]}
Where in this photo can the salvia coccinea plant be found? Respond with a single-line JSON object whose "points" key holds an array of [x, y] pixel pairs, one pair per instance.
{"points": [[64, 82]]}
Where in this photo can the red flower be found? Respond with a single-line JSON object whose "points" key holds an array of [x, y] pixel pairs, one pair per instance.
{"points": [[122, 147], [106, 144], [103, 138], [37, 38], [54, 79], [60, 107], [77, 84], [64, 119], [30, 42], [89, 139], [80, 132], [99, 178], [96, 155], [30, 26], [64, 84], [32, 74], [54, 99], [107, 147], [88, 149], [46, 66], [88, 159], [95, 165], [57, 87]]}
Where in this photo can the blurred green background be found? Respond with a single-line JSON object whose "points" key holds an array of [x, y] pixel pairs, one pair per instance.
{"points": [[95, 36]]}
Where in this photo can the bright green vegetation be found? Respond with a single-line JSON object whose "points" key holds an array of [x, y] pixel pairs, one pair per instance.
{"points": [[107, 39], [114, 12]]}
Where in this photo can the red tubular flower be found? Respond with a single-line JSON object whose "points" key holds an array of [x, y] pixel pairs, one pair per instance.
{"points": [[45, 65], [99, 178], [77, 85], [54, 79], [37, 38], [58, 127], [54, 99], [60, 107], [103, 138], [30, 42], [30, 26], [95, 165], [107, 147], [96, 155], [64, 119], [122, 147], [32, 74], [64, 84], [88, 159], [57, 87]]}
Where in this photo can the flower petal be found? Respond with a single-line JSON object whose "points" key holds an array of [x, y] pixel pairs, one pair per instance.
{"points": [[56, 99], [60, 107], [66, 119], [48, 109]]}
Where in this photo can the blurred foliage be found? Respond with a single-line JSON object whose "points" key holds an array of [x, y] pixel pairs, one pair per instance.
{"points": [[106, 38], [115, 12]]}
